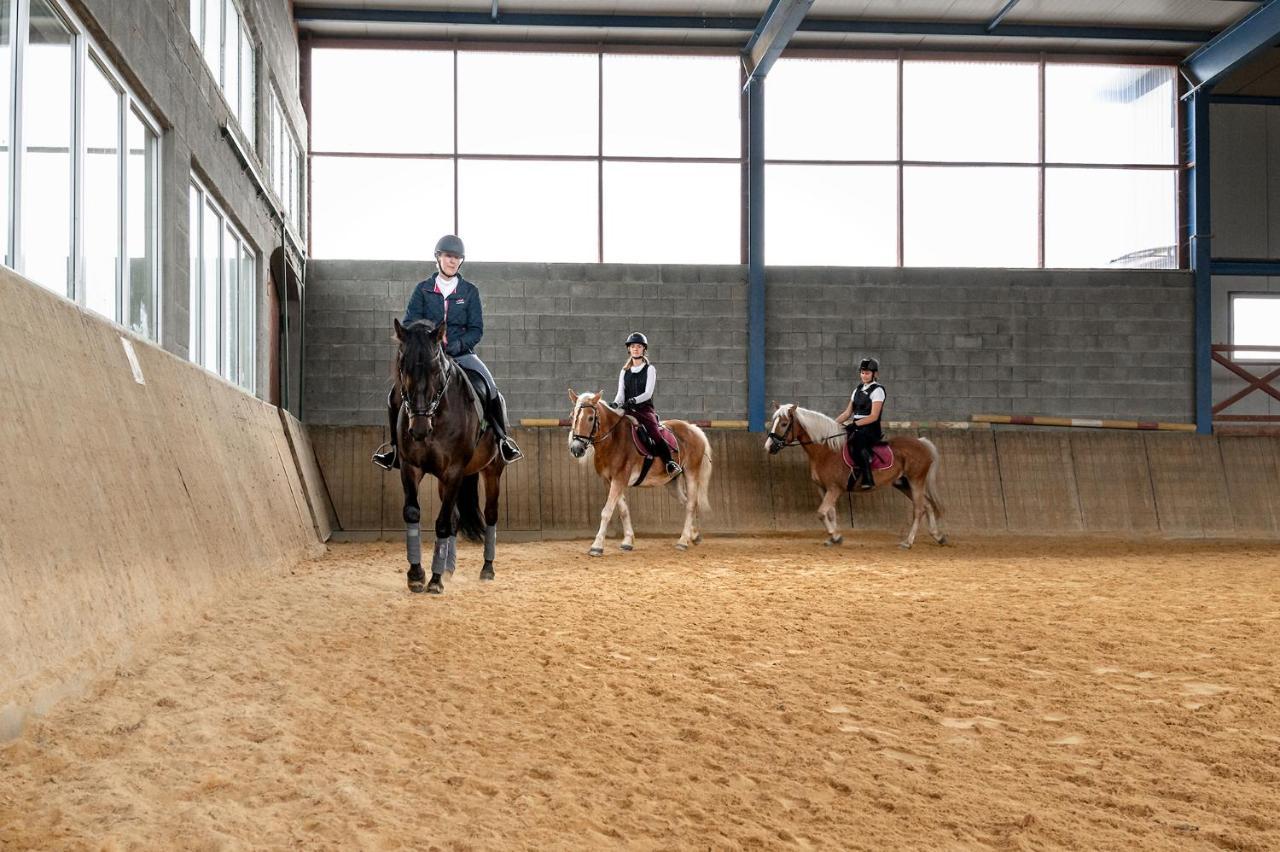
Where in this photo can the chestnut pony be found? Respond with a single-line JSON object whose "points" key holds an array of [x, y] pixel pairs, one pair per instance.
{"points": [[599, 427], [913, 472]]}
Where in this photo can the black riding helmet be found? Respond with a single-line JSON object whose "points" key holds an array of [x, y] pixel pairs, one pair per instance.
{"points": [[451, 244], [869, 364], [637, 337]]}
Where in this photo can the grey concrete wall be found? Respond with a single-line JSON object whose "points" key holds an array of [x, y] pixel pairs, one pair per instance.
{"points": [[150, 42], [954, 342]]}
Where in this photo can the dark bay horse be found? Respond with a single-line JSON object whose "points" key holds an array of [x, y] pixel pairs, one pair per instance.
{"points": [[914, 470], [442, 432]]}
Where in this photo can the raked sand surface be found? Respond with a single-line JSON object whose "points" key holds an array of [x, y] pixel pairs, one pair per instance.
{"points": [[754, 692]]}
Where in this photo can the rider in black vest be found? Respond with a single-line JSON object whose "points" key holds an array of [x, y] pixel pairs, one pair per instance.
{"points": [[636, 385], [862, 420]]}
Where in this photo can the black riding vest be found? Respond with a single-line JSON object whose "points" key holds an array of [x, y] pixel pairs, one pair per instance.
{"points": [[634, 384], [862, 400]]}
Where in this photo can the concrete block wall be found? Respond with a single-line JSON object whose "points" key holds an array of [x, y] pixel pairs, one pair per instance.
{"points": [[953, 342], [547, 327], [150, 42]]}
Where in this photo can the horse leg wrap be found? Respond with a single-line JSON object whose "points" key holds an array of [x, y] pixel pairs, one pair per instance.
{"points": [[451, 558], [440, 556], [490, 542], [413, 543]]}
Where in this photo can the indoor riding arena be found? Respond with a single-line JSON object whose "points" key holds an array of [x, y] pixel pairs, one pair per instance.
{"points": [[1026, 252]]}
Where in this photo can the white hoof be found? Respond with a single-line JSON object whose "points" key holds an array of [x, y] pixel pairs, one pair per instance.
{"points": [[905, 545], [596, 551], [627, 547], [680, 545], [833, 541]]}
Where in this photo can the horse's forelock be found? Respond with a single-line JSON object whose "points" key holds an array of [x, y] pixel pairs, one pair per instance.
{"points": [[415, 349]]}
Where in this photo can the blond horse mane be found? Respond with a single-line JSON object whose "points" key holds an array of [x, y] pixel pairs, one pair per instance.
{"points": [[821, 428]]}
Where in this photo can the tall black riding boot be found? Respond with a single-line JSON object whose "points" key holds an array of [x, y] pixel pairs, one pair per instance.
{"points": [[498, 420], [868, 477], [663, 451], [387, 459]]}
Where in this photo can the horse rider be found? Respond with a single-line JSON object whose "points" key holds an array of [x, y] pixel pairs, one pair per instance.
{"points": [[861, 419], [636, 384], [446, 297]]}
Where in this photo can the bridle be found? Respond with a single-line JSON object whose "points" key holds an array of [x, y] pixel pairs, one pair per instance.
{"points": [[434, 405], [786, 441], [595, 425]]}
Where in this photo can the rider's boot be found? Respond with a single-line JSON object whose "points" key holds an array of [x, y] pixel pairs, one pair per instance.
{"points": [[868, 481], [507, 447], [390, 458]]}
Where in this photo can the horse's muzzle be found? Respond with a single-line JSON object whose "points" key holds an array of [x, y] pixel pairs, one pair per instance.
{"points": [[773, 446], [420, 428], [577, 447]]}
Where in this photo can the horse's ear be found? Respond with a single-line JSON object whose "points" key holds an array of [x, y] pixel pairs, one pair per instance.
{"points": [[573, 395], [600, 395], [438, 332], [399, 329]]}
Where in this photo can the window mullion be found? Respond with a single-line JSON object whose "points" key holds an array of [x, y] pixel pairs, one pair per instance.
{"points": [[78, 155], [20, 17], [124, 283]]}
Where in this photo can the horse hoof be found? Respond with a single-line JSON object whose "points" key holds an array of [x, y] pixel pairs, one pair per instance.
{"points": [[417, 587], [834, 541], [942, 541], [697, 539], [435, 587], [681, 546], [486, 573], [905, 545], [596, 551], [627, 547]]}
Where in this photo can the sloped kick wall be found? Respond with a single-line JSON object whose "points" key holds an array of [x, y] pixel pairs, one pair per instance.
{"points": [[124, 505]]}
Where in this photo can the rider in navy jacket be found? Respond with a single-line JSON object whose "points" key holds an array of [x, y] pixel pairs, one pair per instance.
{"points": [[464, 316], [455, 302]]}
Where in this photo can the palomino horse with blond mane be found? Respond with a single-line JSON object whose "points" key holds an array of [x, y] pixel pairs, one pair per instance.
{"points": [[611, 435], [912, 470]]}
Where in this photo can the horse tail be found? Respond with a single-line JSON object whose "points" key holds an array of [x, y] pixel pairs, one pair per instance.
{"points": [[704, 470], [470, 521], [931, 480]]}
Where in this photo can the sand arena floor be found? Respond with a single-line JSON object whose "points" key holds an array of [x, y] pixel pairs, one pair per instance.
{"points": [[768, 692]]}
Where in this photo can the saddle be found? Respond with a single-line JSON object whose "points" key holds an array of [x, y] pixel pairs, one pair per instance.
{"points": [[881, 456], [644, 443], [479, 395]]}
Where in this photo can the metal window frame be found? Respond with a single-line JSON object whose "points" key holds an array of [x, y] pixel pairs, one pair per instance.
{"points": [[1231, 320], [1039, 59], [85, 50], [206, 201]]}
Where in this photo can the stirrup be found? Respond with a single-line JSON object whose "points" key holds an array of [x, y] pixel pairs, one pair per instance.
{"points": [[509, 451], [674, 468], [868, 482], [386, 459]]}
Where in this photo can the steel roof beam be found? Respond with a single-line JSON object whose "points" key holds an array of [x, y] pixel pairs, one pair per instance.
{"points": [[1234, 46], [771, 36], [305, 15]]}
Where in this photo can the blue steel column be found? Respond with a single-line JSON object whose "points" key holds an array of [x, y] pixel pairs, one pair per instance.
{"points": [[755, 255], [1201, 267]]}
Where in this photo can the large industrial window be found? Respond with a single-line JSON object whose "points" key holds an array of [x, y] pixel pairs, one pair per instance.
{"points": [[528, 156], [224, 293], [80, 217], [218, 26], [972, 163], [638, 158]]}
